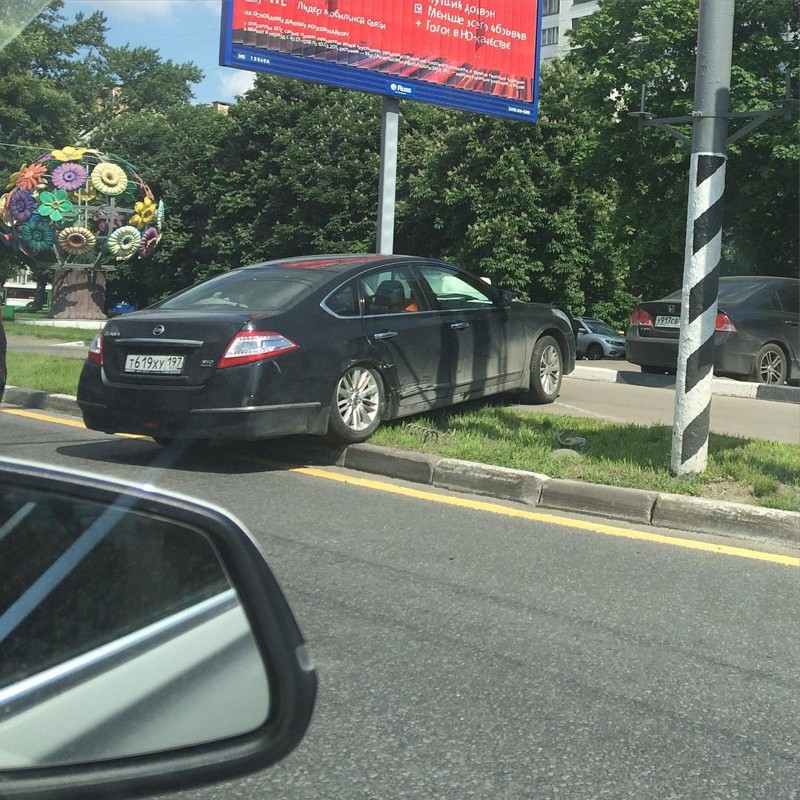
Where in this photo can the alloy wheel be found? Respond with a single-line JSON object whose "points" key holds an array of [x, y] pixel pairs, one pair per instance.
{"points": [[358, 399]]}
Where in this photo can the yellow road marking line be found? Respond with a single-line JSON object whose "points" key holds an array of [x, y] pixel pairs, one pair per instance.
{"points": [[71, 423], [492, 508], [551, 519]]}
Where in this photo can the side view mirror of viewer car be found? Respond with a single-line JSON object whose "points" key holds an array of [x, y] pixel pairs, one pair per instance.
{"points": [[145, 645]]}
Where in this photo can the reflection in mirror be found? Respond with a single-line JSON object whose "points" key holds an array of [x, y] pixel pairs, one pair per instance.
{"points": [[120, 635]]}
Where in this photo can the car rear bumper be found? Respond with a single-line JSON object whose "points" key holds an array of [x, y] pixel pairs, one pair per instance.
{"points": [[255, 422], [732, 355], [235, 407]]}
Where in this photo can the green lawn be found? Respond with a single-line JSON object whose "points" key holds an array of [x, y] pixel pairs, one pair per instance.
{"points": [[741, 470]]}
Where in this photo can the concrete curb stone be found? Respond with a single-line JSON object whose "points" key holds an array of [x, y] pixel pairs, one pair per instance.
{"points": [[677, 512], [732, 519], [635, 505], [500, 482]]}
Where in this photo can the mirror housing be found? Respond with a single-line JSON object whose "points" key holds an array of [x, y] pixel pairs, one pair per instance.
{"points": [[104, 509], [506, 298]]}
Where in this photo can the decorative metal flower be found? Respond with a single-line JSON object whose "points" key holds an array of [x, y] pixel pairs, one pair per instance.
{"points": [[21, 204], [28, 177], [37, 234], [77, 240], [78, 208], [150, 239], [69, 176], [145, 211], [124, 241], [109, 179], [69, 153], [55, 205]]}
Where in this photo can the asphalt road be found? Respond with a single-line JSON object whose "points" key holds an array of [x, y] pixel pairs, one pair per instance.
{"points": [[466, 654]]}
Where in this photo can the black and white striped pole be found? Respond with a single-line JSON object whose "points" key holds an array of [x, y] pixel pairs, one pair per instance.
{"points": [[703, 238]]}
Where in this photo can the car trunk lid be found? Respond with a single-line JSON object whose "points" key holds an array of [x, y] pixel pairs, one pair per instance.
{"points": [[167, 347]]}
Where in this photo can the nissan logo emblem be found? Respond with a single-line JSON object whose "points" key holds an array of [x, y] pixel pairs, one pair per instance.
{"points": [[158, 330]]}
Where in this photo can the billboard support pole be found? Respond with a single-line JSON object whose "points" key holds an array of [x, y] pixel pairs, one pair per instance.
{"points": [[390, 123]]}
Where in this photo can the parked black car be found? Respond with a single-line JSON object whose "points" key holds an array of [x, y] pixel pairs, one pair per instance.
{"points": [[757, 330], [319, 344]]}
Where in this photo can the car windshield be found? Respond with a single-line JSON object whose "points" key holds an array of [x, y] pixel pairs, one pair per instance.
{"points": [[249, 290], [598, 326]]}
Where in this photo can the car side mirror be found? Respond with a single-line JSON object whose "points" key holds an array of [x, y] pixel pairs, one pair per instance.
{"points": [[145, 645], [506, 298]]}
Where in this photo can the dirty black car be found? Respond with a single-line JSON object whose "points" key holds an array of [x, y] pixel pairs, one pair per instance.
{"points": [[319, 345], [757, 330]]}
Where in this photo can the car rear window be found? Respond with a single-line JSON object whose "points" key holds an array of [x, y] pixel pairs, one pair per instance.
{"points": [[729, 292], [274, 289]]}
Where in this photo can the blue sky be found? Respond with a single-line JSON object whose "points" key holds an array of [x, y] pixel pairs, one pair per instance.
{"points": [[181, 30]]}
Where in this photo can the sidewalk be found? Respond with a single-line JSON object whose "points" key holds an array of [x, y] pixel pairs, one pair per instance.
{"points": [[641, 507]]}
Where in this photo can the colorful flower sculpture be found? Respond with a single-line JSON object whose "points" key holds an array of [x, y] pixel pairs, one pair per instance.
{"points": [[76, 208]]}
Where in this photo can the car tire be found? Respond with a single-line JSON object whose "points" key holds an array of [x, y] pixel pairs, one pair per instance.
{"points": [[771, 366], [356, 405], [594, 352], [547, 369]]}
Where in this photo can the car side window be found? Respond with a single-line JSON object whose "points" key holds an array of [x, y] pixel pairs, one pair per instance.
{"points": [[392, 291], [789, 299], [453, 291], [344, 301]]}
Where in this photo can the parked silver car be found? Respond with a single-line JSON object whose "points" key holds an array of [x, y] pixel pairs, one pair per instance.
{"points": [[597, 339]]}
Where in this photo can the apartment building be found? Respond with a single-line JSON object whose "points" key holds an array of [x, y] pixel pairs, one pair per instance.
{"points": [[558, 17]]}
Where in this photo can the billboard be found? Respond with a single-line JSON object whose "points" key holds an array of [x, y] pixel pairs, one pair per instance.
{"points": [[476, 55]]}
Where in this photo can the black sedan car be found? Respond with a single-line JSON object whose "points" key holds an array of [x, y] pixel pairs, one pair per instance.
{"points": [[757, 332], [319, 345]]}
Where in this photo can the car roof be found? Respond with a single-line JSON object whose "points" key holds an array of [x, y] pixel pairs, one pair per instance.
{"points": [[757, 279], [337, 263]]}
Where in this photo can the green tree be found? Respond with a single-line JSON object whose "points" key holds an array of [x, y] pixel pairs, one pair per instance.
{"points": [[299, 173], [628, 44], [177, 153]]}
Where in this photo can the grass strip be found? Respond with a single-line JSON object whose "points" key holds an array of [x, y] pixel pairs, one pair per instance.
{"points": [[51, 333]]}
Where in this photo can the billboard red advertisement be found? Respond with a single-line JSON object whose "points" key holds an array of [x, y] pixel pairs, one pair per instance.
{"points": [[429, 50]]}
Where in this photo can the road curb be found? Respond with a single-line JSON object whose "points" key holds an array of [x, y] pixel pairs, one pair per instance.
{"points": [[677, 512], [719, 386]]}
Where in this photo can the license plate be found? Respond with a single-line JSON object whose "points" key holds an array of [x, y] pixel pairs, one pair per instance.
{"points": [[668, 322], [154, 365]]}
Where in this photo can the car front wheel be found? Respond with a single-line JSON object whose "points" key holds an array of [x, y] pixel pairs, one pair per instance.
{"points": [[594, 352], [771, 365], [547, 369], [356, 405]]}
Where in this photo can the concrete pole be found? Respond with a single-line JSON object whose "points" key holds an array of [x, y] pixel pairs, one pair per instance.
{"points": [[387, 187], [703, 238]]}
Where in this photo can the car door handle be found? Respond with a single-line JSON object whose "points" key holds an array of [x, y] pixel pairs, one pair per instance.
{"points": [[459, 326], [792, 322], [385, 335]]}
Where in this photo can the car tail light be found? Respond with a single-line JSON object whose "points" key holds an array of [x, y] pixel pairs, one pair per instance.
{"points": [[724, 323], [642, 318], [95, 354], [248, 346]]}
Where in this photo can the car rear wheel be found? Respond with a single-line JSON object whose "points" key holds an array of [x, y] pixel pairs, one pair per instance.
{"points": [[594, 352], [356, 405], [547, 369], [771, 365]]}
